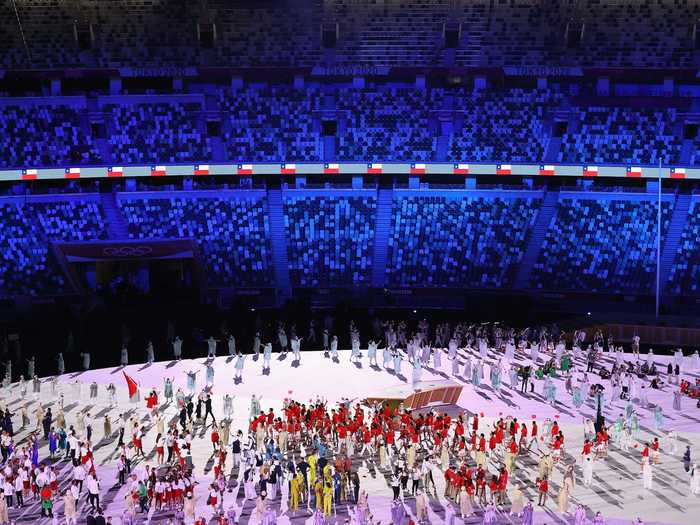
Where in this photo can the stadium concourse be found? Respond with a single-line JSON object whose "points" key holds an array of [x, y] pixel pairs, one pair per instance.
{"points": [[615, 490]]}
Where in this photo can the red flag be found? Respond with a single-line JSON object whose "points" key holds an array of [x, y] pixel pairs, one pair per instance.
{"points": [[133, 386]]}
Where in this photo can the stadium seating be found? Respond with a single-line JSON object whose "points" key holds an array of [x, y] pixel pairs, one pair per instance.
{"points": [[156, 133], [403, 111], [622, 135], [625, 33], [389, 33], [270, 124], [26, 265], [330, 239], [462, 242], [43, 135], [694, 159], [600, 245], [280, 123], [501, 125], [47, 29], [73, 220], [638, 34], [267, 34], [233, 233], [519, 33], [142, 33], [684, 276]]}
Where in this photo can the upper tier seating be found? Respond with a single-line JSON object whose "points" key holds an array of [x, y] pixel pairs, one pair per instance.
{"points": [[271, 124], [501, 126], [44, 135], [392, 124], [622, 135], [157, 133]]}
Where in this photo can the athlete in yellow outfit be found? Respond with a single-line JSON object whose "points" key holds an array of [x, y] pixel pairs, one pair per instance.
{"points": [[327, 500]]}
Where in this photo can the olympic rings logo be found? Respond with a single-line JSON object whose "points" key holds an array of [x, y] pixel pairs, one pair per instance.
{"points": [[127, 251]]}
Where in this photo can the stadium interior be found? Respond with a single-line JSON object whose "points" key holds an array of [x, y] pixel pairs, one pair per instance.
{"points": [[578, 85]]}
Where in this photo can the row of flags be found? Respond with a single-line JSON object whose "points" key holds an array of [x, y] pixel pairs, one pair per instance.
{"points": [[334, 168]]}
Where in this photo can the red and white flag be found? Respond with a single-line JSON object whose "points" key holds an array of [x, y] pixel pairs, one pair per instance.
{"points": [[115, 171], [288, 169], [331, 169], [158, 171], [504, 169], [132, 385], [546, 169], [72, 173], [29, 174], [418, 169], [461, 169], [375, 169], [590, 171], [634, 171], [201, 169], [245, 169], [678, 173]]}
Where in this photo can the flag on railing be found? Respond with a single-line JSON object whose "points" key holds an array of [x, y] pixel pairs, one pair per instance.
{"points": [[158, 171], [201, 169], [374, 169], [418, 169], [245, 169], [115, 171], [331, 169], [678, 173], [72, 173], [288, 169], [590, 171], [29, 174], [634, 171], [504, 169], [546, 169], [461, 169]]}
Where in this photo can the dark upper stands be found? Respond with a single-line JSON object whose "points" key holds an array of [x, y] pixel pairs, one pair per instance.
{"points": [[389, 33], [624, 33]]}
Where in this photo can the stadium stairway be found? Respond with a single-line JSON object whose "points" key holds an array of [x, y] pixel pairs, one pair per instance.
{"points": [[381, 236], [116, 225], [278, 240], [474, 26], [534, 243], [686, 151], [552, 150], [673, 236]]}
